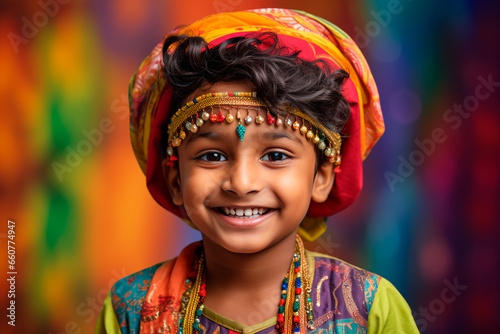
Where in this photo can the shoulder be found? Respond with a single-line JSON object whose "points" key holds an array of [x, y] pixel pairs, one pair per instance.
{"points": [[390, 312], [359, 283], [136, 283], [353, 299], [128, 295]]}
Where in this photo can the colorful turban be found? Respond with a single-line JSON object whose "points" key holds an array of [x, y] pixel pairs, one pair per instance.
{"points": [[150, 98]]}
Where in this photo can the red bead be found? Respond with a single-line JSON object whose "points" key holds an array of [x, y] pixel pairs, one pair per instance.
{"points": [[296, 319], [298, 291], [282, 302], [337, 169], [213, 117], [280, 318], [221, 117], [270, 119], [230, 93], [203, 286], [202, 293], [297, 269]]}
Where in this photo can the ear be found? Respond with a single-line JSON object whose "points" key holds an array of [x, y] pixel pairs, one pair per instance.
{"points": [[173, 181], [323, 182]]}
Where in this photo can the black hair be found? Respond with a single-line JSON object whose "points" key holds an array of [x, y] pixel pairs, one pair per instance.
{"points": [[276, 71]]}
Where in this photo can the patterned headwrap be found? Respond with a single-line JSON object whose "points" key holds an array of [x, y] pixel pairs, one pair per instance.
{"points": [[150, 98]]}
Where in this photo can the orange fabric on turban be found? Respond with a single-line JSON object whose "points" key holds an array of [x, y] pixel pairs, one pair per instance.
{"points": [[150, 100]]}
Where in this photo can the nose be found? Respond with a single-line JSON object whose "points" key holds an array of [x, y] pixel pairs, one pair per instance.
{"points": [[242, 178]]}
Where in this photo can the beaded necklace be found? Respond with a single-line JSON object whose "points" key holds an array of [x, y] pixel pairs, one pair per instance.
{"points": [[294, 309]]}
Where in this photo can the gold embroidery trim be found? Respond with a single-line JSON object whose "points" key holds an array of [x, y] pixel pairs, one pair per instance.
{"points": [[318, 290]]}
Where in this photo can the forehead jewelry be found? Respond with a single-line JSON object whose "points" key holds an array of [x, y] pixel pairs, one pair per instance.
{"points": [[194, 114]]}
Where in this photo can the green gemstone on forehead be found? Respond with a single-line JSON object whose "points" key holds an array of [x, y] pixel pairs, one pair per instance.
{"points": [[240, 130]]}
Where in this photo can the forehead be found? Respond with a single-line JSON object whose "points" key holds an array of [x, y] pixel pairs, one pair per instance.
{"points": [[253, 133], [224, 131]]}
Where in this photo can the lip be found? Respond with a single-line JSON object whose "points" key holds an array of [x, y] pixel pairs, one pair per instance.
{"points": [[245, 222]]}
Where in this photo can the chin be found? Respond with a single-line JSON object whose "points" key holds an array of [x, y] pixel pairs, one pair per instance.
{"points": [[244, 248], [251, 244], [244, 245]]}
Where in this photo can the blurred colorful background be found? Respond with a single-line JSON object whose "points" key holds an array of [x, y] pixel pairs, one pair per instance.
{"points": [[427, 218]]}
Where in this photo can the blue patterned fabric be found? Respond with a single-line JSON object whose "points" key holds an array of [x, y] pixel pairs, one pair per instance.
{"points": [[128, 296]]}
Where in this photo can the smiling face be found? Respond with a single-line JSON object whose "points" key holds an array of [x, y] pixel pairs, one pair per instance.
{"points": [[247, 195]]}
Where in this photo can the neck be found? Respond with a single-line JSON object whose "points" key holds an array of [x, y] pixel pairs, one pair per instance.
{"points": [[237, 274]]}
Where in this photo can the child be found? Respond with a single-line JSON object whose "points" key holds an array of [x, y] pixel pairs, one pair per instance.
{"points": [[241, 123]]}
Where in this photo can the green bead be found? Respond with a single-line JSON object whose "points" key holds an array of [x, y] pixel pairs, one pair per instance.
{"points": [[198, 312], [283, 296], [295, 306], [281, 309], [309, 300], [240, 130]]}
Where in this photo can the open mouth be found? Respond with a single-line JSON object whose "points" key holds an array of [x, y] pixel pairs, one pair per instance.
{"points": [[243, 213]]}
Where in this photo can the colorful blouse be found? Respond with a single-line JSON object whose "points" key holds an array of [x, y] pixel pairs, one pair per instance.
{"points": [[346, 299]]}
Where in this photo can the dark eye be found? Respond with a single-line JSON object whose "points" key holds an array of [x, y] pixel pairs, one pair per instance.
{"points": [[275, 156], [212, 156]]}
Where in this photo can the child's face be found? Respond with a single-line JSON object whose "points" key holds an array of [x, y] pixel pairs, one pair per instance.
{"points": [[269, 177]]}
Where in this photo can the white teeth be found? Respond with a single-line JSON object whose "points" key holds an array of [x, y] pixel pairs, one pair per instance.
{"points": [[244, 212]]}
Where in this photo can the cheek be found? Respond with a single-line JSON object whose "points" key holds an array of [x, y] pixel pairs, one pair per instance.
{"points": [[295, 186], [197, 186]]}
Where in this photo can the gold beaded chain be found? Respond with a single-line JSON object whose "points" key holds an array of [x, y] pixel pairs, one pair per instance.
{"points": [[189, 316], [308, 307]]}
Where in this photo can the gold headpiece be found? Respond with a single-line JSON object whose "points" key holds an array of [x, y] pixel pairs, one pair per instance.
{"points": [[188, 117]]}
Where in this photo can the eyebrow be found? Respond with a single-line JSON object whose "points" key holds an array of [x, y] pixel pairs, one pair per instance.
{"points": [[271, 135], [268, 136], [209, 135]]}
